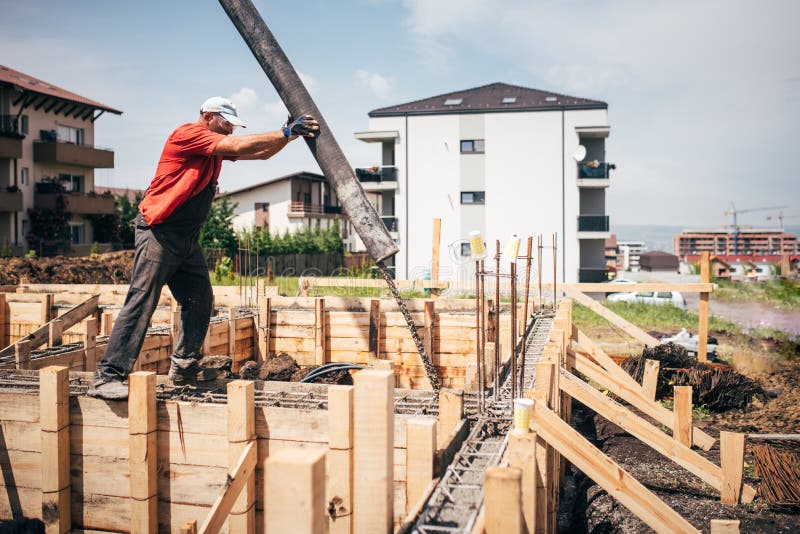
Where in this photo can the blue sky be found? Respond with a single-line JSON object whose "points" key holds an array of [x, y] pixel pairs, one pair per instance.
{"points": [[704, 95]]}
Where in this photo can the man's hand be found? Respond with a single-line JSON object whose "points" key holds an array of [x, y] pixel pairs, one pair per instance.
{"points": [[305, 125]]}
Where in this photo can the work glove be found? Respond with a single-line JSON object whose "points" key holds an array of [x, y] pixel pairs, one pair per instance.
{"points": [[305, 125]]}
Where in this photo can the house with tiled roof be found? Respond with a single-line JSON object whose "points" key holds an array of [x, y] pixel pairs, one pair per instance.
{"points": [[501, 159], [48, 156]]}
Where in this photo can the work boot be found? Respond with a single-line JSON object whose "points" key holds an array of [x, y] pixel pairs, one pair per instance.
{"points": [[108, 388], [186, 371]]}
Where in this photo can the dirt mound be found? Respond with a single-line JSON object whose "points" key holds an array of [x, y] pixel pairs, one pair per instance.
{"points": [[111, 268], [715, 387]]}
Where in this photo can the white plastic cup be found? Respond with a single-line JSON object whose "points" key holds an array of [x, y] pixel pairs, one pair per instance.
{"points": [[476, 245], [522, 415], [511, 251]]}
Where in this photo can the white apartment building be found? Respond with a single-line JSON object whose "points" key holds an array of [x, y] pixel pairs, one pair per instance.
{"points": [[499, 159], [47, 155], [630, 252], [290, 203]]}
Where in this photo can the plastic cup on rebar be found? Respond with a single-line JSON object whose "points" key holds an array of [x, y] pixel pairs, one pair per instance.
{"points": [[511, 251], [522, 415], [476, 245]]}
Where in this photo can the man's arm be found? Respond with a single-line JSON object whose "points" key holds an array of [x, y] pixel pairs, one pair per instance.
{"points": [[254, 146]]}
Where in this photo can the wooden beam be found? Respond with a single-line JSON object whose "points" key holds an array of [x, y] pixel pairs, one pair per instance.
{"points": [[702, 329], [606, 473], [612, 377], [236, 480], [5, 315], [428, 322], [682, 410], [437, 238], [320, 332], [55, 456], [264, 314], [339, 491], [55, 333], [724, 526], [503, 501], [731, 446], [373, 450], [241, 433], [47, 308], [69, 319], [627, 327], [294, 497], [22, 354], [232, 336], [143, 452], [451, 412], [190, 527], [650, 379], [521, 454], [420, 457], [374, 329], [89, 338], [642, 430], [106, 323]]}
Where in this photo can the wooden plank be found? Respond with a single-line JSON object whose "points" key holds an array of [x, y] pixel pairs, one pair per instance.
{"points": [[731, 445], [627, 327], [55, 332], [420, 456], [339, 461], [22, 354], [631, 391], [682, 410], [650, 379], [143, 452], [429, 318], [295, 492], [69, 319], [606, 473], [451, 412], [320, 332], [264, 327], [5, 315], [374, 328], [702, 329], [503, 501], [241, 433], [55, 464], [724, 526], [237, 479], [373, 441], [521, 454]]}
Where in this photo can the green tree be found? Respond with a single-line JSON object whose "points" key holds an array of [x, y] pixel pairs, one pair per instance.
{"points": [[127, 210], [217, 231]]}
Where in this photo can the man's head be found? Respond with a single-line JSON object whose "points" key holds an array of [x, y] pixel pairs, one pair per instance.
{"points": [[219, 115]]}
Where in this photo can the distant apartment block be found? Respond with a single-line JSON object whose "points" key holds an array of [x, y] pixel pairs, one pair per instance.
{"points": [[47, 139], [629, 252], [498, 159], [727, 242], [297, 201]]}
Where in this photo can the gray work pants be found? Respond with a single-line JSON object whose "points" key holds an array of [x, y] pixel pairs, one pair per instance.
{"points": [[162, 257]]}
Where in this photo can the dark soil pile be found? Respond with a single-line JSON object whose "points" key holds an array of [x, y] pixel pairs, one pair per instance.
{"points": [[111, 268], [716, 387], [283, 368]]}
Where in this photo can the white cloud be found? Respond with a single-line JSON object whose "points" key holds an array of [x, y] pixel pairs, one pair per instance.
{"points": [[309, 81], [245, 98], [276, 109], [374, 81]]}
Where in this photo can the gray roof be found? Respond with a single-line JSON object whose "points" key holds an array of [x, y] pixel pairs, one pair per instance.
{"points": [[490, 98]]}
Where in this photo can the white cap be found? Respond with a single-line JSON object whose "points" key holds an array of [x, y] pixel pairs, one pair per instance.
{"points": [[223, 106]]}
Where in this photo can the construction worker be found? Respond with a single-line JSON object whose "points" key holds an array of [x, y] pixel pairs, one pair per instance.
{"points": [[168, 251]]}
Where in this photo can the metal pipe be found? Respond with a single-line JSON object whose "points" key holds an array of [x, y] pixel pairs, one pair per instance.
{"points": [[539, 269], [325, 149]]}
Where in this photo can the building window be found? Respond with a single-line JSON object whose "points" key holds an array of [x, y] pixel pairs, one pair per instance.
{"points": [[23, 176], [472, 146], [69, 134], [23, 125], [473, 197], [76, 233], [73, 183], [465, 250]]}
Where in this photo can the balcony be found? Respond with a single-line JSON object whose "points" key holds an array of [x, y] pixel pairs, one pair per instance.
{"points": [[72, 154], [10, 137], [593, 223], [321, 211], [77, 203], [377, 178], [10, 201], [592, 274], [390, 223], [591, 176]]}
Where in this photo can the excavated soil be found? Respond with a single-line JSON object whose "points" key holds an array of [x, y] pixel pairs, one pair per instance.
{"points": [[110, 268]]}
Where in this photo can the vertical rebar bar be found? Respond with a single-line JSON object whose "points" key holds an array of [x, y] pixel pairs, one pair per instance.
{"points": [[497, 320], [525, 316], [478, 332], [555, 267], [539, 269], [513, 304]]}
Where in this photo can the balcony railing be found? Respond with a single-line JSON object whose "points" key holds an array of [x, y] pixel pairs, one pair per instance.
{"points": [[390, 223], [587, 169], [593, 223], [377, 174], [77, 203], [306, 208], [9, 126], [592, 275], [48, 151], [10, 201], [10, 137]]}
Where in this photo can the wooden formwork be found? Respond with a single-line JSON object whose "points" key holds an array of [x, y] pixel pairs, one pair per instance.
{"points": [[145, 465]]}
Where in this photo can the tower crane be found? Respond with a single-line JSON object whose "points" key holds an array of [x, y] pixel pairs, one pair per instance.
{"points": [[733, 211], [781, 217]]}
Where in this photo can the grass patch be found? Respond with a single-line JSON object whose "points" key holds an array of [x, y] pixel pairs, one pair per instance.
{"points": [[648, 317], [782, 293]]}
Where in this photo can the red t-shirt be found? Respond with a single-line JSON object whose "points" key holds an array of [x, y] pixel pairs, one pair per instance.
{"points": [[186, 166]]}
